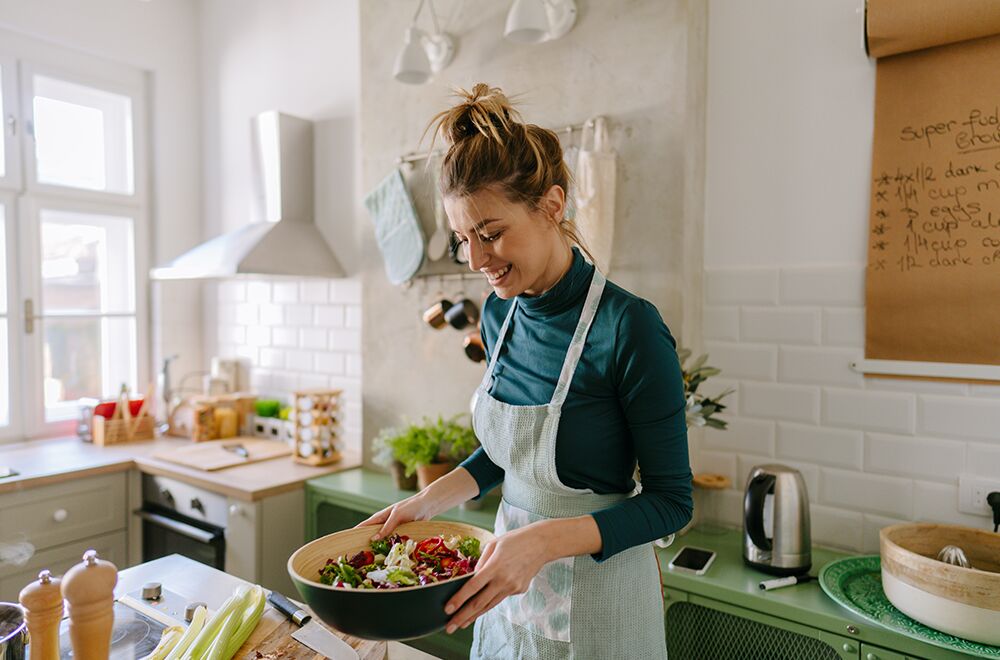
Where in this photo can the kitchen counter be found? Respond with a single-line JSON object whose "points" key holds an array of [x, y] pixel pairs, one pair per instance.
{"points": [[41, 462]]}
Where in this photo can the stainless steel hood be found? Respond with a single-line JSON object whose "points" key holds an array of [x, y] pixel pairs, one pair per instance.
{"points": [[282, 238]]}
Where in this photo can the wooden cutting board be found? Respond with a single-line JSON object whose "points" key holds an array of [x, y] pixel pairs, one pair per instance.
{"points": [[272, 640], [212, 456]]}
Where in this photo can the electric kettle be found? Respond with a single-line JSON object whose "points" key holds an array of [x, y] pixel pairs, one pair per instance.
{"points": [[776, 521]]}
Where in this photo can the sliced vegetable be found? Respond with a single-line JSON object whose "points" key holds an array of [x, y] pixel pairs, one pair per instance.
{"points": [[193, 629], [218, 648], [469, 546], [251, 617], [168, 640], [199, 647]]}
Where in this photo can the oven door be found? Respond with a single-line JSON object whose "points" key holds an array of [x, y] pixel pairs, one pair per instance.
{"points": [[166, 533]]}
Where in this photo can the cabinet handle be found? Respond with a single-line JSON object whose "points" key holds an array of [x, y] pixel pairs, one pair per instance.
{"points": [[59, 515], [849, 648], [871, 656]]}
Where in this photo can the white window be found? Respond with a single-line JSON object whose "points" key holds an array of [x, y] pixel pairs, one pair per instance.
{"points": [[73, 233]]}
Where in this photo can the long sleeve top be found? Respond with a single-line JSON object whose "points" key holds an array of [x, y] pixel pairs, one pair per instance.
{"points": [[625, 405]]}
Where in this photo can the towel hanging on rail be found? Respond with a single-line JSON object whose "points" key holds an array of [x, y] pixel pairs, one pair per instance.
{"points": [[596, 172], [397, 229]]}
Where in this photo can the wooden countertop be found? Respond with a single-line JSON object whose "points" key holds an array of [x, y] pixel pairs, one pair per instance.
{"points": [[41, 462]]}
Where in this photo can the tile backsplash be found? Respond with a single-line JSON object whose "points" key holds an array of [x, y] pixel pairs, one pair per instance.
{"points": [[873, 451], [295, 334]]}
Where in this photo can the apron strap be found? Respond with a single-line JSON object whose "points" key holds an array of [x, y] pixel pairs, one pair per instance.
{"points": [[579, 338], [496, 349]]}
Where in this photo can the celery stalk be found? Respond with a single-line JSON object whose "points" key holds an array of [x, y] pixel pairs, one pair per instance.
{"points": [[197, 623], [218, 648], [211, 628], [251, 617], [168, 640]]}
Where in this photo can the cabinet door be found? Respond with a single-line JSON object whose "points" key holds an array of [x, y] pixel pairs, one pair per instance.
{"points": [[329, 518], [869, 652], [59, 560]]}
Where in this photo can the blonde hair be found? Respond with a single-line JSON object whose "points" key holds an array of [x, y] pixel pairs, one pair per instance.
{"points": [[490, 146]]}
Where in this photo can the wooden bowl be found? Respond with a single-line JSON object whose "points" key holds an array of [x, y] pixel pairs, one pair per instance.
{"points": [[378, 614], [964, 602]]}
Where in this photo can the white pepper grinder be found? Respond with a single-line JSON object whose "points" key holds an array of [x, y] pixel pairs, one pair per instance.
{"points": [[89, 590], [43, 610]]}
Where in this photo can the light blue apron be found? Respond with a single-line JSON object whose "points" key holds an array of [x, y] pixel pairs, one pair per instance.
{"points": [[575, 607]]}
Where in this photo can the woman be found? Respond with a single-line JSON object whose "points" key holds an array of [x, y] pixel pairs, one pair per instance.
{"points": [[583, 382]]}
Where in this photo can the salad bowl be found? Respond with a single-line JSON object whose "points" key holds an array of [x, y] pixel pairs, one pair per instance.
{"points": [[378, 614]]}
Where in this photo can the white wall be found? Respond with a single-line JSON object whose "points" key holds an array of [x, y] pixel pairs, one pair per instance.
{"points": [[300, 57], [160, 38], [790, 113]]}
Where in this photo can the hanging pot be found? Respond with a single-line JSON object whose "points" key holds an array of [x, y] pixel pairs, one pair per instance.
{"points": [[13, 632]]}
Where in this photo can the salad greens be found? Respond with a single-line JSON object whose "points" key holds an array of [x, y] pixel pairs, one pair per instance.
{"points": [[399, 561]]}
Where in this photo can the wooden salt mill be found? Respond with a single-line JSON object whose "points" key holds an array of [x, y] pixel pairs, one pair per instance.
{"points": [[89, 590], [43, 609]]}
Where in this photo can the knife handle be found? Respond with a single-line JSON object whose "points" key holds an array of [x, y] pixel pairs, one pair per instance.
{"points": [[298, 615]]}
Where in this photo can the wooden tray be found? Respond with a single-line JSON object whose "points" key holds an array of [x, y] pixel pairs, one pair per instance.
{"points": [[212, 456]]}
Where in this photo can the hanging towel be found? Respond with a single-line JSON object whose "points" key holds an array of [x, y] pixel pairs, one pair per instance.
{"points": [[397, 229], [596, 170]]}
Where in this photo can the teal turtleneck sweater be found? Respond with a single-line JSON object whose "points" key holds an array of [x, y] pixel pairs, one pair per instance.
{"points": [[625, 404]]}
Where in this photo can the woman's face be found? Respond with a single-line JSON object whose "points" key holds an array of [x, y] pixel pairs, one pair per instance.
{"points": [[520, 250]]}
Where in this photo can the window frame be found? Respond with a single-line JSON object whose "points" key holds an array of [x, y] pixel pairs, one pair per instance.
{"points": [[27, 198]]}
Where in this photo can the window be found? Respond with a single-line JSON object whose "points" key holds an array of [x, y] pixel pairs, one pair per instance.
{"points": [[73, 226]]}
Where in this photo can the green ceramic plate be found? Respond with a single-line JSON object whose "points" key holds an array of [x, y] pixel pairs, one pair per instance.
{"points": [[856, 584]]}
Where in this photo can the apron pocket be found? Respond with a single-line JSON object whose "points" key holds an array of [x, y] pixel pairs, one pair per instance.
{"points": [[544, 609]]}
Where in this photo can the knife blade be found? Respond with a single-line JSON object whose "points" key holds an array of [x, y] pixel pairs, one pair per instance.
{"points": [[311, 633]]}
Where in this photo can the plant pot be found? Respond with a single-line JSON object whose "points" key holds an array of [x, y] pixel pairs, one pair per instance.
{"points": [[427, 474], [399, 475], [472, 505]]}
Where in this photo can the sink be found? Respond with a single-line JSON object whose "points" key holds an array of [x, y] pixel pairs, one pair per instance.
{"points": [[964, 602]]}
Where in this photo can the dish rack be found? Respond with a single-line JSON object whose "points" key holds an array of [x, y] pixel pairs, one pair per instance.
{"points": [[316, 430]]}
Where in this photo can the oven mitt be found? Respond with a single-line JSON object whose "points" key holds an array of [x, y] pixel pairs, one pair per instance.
{"points": [[397, 229]]}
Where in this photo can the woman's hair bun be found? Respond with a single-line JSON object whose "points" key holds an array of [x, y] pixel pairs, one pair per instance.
{"points": [[485, 110]]}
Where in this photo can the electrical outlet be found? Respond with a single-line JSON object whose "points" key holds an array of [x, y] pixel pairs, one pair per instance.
{"points": [[972, 492]]}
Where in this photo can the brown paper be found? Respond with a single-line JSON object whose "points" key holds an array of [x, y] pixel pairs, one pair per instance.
{"points": [[933, 278]]}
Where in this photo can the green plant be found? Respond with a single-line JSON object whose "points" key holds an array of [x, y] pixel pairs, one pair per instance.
{"points": [[432, 441], [701, 410]]}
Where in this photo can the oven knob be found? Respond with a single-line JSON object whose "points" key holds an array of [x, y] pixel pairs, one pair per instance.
{"points": [[167, 496], [189, 610], [152, 591], [197, 505]]}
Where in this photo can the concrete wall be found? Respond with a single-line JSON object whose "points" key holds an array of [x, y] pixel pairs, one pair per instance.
{"points": [[639, 63], [790, 112]]}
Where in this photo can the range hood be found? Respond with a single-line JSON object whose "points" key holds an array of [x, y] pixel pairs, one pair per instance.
{"points": [[282, 238]]}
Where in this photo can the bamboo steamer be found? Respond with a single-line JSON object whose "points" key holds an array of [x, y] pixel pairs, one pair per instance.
{"points": [[964, 602]]}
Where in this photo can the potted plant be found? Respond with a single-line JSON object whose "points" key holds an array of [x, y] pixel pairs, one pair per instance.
{"points": [[387, 449]]}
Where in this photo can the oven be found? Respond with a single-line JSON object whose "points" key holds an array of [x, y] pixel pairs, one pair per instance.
{"points": [[183, 519]]}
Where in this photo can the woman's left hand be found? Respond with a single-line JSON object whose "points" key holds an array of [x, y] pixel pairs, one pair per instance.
{"points": [[505, 568]]}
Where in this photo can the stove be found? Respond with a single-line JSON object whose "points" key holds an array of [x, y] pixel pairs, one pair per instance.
{"points": [[134, 635]]}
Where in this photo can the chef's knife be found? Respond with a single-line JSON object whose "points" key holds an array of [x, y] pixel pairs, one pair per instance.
{"points": [[311, 633]]}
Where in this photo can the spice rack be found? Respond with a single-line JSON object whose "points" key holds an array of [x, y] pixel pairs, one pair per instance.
{"points": [[315, 416]]}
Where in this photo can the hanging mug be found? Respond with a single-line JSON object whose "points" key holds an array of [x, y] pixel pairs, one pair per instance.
{"points": [[462, 314], [473, 345], [434, 315]]}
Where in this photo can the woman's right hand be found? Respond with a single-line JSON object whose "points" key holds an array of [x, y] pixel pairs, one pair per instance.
{"points": [[415, 507]]}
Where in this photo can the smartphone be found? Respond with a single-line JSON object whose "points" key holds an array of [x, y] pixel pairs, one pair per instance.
{"points": [[692, 560]]}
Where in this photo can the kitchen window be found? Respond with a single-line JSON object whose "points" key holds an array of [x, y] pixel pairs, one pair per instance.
{"points": [[73, 235]]}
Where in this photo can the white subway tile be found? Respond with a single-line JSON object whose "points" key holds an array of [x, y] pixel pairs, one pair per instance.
{"points": [[868, 410], [959, 417], [939, 503], [345, 340], [743, 435], [284, 382], [313, 338], [872, 525], [721, 323], [246, 314], [844, 327], [822, 366], [313, 290], [779, 325], [232, 334], [352, 316], [313, 381], [832, 285], [350, 386], [836, 528], [286, 292], [867, 492], [810, 473], [272, 358], [226, 313], [330, 316], [835, 447], [353, 366], [982, 459], [330, 363], [258, 291], [716, 385], [908, 456], [346, 291], [717, 462], [285, 337], [877, 384], [742, 286], [299, 360], [797, 403], [260, 380], [232, 291], [743, 360], [299, 315], [258, 336], [272, 314]]}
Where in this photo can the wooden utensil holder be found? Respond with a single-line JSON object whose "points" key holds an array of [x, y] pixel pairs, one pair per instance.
{"points": [[315, 416], [122, 427]]}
